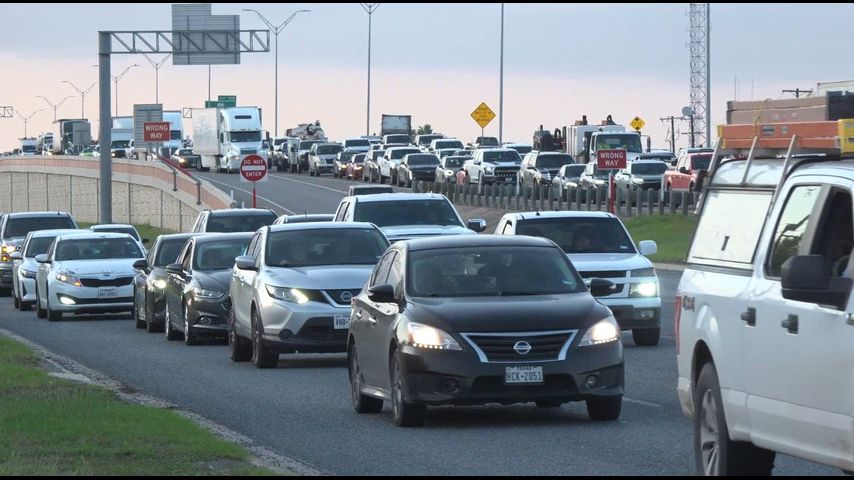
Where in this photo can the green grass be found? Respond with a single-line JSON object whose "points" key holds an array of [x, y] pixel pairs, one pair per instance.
{"points": [[50, 426], [145, 231], [672, 233]]}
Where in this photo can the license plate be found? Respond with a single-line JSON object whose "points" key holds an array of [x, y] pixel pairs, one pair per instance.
{"points": [[107, 293], [342, 322], [523, 375]]}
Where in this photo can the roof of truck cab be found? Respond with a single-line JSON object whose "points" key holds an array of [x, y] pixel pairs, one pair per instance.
{"points": [[562, 214]]}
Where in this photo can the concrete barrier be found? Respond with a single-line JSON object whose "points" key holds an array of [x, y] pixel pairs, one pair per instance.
{"points": [[143, 192]]}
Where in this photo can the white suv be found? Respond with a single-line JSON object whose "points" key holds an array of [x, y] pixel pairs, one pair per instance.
{"points": [[764, 318]]}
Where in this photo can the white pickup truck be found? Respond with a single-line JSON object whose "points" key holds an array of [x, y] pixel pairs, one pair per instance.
{"points": [[764, 317]]}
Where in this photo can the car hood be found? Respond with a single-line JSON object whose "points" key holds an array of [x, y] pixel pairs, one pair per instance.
{"points": [[503, 164], [592, 262], [648, 178], [331, 277], [403, 232], [213, 280], [115, 267], [508, 314]]}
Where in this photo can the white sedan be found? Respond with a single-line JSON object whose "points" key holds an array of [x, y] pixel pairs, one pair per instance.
{"points": [[86, 273], [24, 266]]}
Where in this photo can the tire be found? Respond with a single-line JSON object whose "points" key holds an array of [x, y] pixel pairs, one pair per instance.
{"points": [[714, 452], [171, 334], [139, 323], [605, 409], [40, 312], [393, 180], [646, 337], [15, 301], [262, 357], [240, 349], [151, 326], [189, 338], [361, 403], [405, 414], [26, 306], [548, 404]]}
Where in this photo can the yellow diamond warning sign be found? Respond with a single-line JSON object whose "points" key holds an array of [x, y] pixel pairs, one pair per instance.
{"points": [[483, 115], [637, 123]]}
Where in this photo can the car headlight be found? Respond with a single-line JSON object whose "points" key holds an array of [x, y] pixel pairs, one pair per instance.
{"points": [[489, 170], [159, 284], [28, 274], [69, 279], [7, 249], [424, 336], [449, 173], [286, 294], [603, 331], [645, 289], [642, 272], [637, 180], [205, 293]]}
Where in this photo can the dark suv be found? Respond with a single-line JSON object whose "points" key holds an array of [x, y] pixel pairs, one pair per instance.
{"points": [[14, 228], [233, 220]]}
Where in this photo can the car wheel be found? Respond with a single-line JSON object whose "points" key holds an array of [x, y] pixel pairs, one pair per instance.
{"points": [[51, 315], [189, 338], [171, 334], [361, 403], [405, 414], [262, 357], [240, 349], [15, 302], [151, 326], [605, 408], [26, 306], [714, 452], [40, 312], [548, 404], [646, 337], [140, 323]]}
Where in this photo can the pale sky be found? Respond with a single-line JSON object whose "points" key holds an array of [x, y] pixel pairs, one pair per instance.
{"points": [[436, 62]]}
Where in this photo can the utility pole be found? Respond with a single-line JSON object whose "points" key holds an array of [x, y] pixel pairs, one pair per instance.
{"points": [[501, 86], [798, 92], [672, 119], [370, 8], [54, 107]]}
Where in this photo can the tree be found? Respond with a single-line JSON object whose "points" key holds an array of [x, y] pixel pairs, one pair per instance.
{"points": [[424, 129]]}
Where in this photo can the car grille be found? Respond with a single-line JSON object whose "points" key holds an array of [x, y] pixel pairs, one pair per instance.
{"points": [[506, 172], [246, 151], [321, 329], [335, 295], [604, 274], [112, 282], [499, 348]]}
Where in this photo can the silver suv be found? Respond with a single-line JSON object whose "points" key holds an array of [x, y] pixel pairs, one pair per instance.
{"points": [[291, 292]]}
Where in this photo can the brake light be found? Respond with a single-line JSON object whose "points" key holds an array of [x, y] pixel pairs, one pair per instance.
{"points": [[677, 315]]}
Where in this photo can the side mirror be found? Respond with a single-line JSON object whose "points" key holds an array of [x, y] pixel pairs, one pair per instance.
{"points": [[175, 268], [600, 287], [808, 278], [673, 163], [42, 258], [16, 255], [140, 264], [648, 247], [683, 170], [476, 224], [382, 293], [245, 262]]}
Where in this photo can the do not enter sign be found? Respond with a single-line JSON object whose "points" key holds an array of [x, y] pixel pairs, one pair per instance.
{"points": [[611, 159], [253, 168]]}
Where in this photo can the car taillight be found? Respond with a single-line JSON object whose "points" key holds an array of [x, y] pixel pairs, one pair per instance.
{"points": [[677, 315]]}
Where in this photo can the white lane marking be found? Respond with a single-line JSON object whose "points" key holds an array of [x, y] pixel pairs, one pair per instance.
{"points": [[287, 210], [309, 184], [641, 402]]}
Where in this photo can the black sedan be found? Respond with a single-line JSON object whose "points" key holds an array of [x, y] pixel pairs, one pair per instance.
{"points": [[467, 320], [417, 166], [197, 299], [149, 284]]}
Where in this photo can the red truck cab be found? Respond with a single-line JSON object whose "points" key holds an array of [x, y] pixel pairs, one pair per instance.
{"points": [[688, 167]]}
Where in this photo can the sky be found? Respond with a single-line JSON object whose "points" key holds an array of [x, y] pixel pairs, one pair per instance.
{"points": [[436, 62]]}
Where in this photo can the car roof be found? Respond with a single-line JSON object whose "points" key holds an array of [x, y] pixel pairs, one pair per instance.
{"points": [[229, 212], [84, 234], [37, 214], [456, 241], [408, 147], [647, 160], [321, 225], [111, 225], [498, 149], [215, 237], [561, 214], [397, 197]]}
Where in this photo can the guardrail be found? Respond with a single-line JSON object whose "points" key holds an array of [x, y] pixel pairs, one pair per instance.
{"points": [[627, 203]]}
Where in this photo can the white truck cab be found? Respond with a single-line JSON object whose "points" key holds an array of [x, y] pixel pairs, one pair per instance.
{"points": [[764, 316]]}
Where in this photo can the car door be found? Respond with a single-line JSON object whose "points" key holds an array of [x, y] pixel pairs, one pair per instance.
{"points": [[175, 285], [246, 282], [140, 279], [43, 274], [801, 378], [365, 321], [386, 316]]}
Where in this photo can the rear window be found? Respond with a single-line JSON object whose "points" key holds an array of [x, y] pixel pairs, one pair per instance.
{"points": [[449, 144], [553, 161], [422, 160], [721, 241], [239, 223], [700, 162], [20, 227]]}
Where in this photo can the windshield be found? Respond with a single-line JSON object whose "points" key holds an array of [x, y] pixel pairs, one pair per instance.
{"points": [[502, 156], [168, 252], [185, 151], [487, 141], [28, 148], [240, 137], [279, 141], [619, 141], [97, 249], [128, 230], [328, 149], [491, 271], [360, 158], [700, 162], [600, 173], [580, 235], [574, 170], [402, 152], [218, 254], [407, 212], [377, 154], [399, 138], [312, 248], [449, 144], [648, 168], [455, 162], [422, 160], [553, 161], [357, 143], [38, 246], [239, 223], [20, 227]]}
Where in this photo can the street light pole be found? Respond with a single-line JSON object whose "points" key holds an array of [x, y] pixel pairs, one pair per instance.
{"points": [[156, 66], [501, 86], [27, 118], [116, 80], [276, 30], [82, 96], [54, 107], [370, 8]]}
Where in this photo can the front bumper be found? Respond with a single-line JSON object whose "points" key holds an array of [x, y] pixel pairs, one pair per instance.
{"points": [[494, 179], [86, 299], [459, 378], [27, 288], [636, 312], [209, 316], [290, 327]]}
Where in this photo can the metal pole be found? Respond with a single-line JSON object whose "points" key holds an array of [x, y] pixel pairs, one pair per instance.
{"points": [[209, 83], [708, 77], [672, 135], [117, 97], [156, 84], [276, 130], [106, 180], [691, 119], [368, 122], [501, 86]]}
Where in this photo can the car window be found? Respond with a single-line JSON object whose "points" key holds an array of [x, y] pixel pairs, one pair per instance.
{"points": [[320, 247], [218, 254], [580, 234], [37, 246], [20, 227], [239, 223], [381, 270], [719, 239], [834, 235], [188, 254], [794, 222], [253, 244], [168, 252], [395, 274], [98, 249]]}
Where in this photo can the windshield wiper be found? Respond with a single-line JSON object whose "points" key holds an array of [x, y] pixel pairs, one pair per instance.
{"points": [[511, 293]]}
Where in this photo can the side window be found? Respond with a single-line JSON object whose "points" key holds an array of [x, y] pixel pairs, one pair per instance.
{"points": [[508, 228], [253, 245], [150, 257], [834, 233], [793, 227], [341, 215], [395, 274], [186, 255], [381, 272], [51, 249]]}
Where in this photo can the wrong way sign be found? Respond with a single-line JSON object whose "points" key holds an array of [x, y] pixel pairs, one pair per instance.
{"points": [[611, 159], [253, 168]]}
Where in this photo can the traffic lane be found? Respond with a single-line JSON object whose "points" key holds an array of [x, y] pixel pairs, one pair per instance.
{"points": [[302, 409]]}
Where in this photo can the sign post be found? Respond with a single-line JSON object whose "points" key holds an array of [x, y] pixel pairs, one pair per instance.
{"points": [[253, 169], [482, 115], [611, 160]]}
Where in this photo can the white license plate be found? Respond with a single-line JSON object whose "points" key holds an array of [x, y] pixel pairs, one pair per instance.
{"points": [[341, 322], [523, 375], [107, 293]]}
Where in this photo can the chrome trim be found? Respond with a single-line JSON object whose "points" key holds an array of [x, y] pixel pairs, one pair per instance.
{"points": [[482, 356]]}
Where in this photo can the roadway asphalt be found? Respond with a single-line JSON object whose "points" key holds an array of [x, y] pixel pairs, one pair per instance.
{"points": [[302, 409]]}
